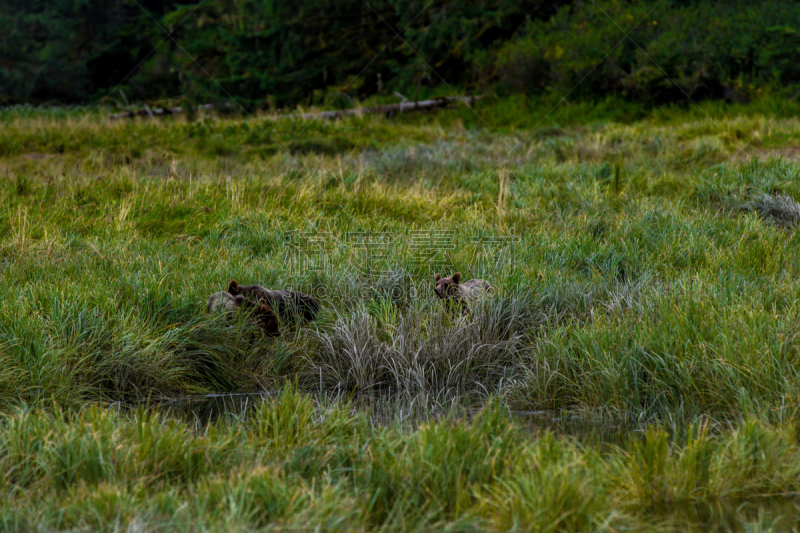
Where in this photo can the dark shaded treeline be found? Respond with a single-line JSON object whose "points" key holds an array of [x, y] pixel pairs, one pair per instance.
{"points": [[267, 52], [76, 50], [80, 50]]}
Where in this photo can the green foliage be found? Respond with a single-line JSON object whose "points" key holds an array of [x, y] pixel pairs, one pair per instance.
{"points": [[250, 53], [75, 51], [260, 51], [655, 52]]}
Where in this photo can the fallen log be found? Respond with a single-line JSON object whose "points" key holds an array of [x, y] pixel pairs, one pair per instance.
{"points": [[387, 110], [153, 112], [392, 109]]}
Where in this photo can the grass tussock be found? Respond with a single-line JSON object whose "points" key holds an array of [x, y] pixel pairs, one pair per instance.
{"points": [[443, 359], [781, 210]]}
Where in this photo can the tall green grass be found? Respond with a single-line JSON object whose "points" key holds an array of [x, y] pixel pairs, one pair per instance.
{"points": [[642, 271], [293, 464]]}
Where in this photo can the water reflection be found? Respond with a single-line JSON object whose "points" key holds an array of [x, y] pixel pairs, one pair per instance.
{"points": [[777, 513], [205, 409], [202, 410]]}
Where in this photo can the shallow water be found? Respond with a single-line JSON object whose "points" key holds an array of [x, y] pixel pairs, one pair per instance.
{"points": [[205, 409], [777, 513], [588, 431]]}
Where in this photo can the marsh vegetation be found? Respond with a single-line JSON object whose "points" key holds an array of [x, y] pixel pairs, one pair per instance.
{"points": [[645, 277]]}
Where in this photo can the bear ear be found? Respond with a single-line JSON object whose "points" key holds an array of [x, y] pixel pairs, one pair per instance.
{"points": [[457, 278], [233, 287], [264, 308], [438, 277]]}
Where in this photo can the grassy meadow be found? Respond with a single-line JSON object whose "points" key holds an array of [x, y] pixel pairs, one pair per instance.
{"points": [[647, 280]]}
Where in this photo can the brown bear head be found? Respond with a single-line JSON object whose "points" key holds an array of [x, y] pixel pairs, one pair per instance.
{"points": [[267, 318], [262, 312], [447, 288]]}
